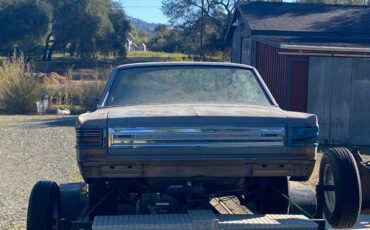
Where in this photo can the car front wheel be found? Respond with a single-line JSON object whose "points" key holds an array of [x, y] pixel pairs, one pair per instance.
{"points": [[43, 206]]}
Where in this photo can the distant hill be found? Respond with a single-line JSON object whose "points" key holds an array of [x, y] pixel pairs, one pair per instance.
{"points": [[142, 25]]}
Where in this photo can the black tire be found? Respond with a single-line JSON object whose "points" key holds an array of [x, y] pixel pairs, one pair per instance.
{"points": [[43, 206], [342, 206], [272, 201]]}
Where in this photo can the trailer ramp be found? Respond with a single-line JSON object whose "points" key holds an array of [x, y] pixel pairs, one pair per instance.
{"points": [[203, 220]]}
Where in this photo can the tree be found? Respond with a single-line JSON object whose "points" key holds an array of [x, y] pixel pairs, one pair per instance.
{"points": [[79, 24], [167, 39], [86, 27], [187, 12], [22, 24], [141, 36], [187, 15], [121, 27], [54, 10]]}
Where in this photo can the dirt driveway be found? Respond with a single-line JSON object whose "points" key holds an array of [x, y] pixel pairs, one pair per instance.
{"points": [[32, 148]]}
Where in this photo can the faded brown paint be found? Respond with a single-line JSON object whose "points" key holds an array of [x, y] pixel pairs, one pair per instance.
{"points": [[171, 110]]}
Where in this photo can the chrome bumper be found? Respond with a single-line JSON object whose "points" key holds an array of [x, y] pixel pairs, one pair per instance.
{"points": [[208, 137]]}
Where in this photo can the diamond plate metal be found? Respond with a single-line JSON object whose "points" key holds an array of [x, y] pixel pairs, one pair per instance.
{"points": [[203, 220], [269, 221], [141, 222]]}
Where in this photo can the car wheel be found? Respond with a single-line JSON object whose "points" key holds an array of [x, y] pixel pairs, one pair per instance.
{"points": [[43, 206], [272, 201], [342, 206]]}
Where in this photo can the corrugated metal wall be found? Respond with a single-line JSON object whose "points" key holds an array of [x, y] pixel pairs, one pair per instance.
{"points": [[339, 94], [272, 68]]}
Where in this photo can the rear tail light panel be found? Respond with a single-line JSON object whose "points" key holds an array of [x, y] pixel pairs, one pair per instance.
{"points": [[304, 136], [89, 137]]}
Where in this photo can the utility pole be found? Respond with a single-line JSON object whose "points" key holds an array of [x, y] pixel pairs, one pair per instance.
{"points": [[202, 32]]}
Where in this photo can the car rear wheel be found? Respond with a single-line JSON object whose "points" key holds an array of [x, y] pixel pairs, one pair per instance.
{"points": [[341, 206], [44, 206]]}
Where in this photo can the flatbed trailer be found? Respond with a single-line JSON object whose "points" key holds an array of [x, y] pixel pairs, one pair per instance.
{"points": [[338, 197], [203, 219], [226, 213], [195, 220]]}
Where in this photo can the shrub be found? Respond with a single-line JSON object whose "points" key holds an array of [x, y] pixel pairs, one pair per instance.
{"points": [[78, 96], [18, 89]]}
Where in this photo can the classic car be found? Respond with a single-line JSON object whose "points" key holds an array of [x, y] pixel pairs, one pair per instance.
{"points": [[191, 131]]}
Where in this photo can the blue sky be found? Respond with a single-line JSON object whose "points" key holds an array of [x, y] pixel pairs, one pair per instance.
{"points": [[147, 10]]}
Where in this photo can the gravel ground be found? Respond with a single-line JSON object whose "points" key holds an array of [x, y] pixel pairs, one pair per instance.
{"points": [[32, 148]]}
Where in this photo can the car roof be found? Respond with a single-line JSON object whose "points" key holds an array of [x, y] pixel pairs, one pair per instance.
{"points": [[215, 64]]}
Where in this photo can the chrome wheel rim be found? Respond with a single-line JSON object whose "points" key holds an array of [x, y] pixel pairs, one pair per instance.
{"points": [[329, 196]]}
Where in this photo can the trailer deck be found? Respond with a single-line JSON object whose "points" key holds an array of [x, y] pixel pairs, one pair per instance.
{"points": [[203, 219], [223, 213]]}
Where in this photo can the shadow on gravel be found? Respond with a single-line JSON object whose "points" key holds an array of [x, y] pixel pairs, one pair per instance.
{"points": [[62, 121]]}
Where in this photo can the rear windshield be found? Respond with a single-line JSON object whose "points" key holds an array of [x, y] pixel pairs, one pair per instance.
{"points": [[186, 85]]}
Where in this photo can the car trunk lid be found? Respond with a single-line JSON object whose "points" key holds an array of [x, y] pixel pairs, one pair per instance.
{"points": [[197, 115]]}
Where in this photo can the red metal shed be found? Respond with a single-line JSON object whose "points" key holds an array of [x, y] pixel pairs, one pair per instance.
{"points": [[286, 76]]}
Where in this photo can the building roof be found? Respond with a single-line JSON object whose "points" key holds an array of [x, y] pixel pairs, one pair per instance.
{"points": [[305, 25], [307, 17], [303, 20]]}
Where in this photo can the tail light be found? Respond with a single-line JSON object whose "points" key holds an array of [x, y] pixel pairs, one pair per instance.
{"points": [[89, 137], [304, 136]]}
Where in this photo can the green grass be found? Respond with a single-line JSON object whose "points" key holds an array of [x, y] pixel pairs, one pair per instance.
{"points": [[152, 56], [136, 56], [148, 56]]}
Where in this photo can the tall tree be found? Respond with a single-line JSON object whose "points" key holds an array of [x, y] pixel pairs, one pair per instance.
{"points": [[115, 40], [22, 24], [167, 39], [80, 24], [85, 27], [187, 14]]}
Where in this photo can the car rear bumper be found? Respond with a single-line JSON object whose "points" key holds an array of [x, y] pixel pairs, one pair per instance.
{"points": [[300, 168]]}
